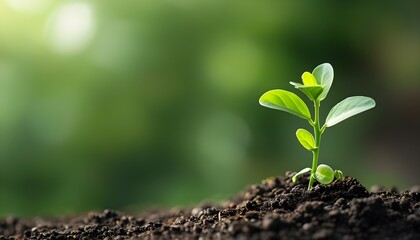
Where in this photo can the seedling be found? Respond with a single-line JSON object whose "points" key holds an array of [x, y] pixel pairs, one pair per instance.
{"points": [[316, 86]]}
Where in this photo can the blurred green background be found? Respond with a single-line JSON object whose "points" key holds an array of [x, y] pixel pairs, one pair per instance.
{"points": [[133, 104]]}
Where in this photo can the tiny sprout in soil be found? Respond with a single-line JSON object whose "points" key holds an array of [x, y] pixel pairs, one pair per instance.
{"points": [[316, 86]]}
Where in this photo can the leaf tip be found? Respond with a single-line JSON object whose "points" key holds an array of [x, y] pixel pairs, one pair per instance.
{"points": [[308, 79], [373, 102], [263, 99], [293, 84]]}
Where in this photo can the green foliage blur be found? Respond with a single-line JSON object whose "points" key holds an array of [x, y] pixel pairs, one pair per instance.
{"points": [[137, 104]]}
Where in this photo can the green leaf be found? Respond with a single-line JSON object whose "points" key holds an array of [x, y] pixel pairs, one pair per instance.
{"points": [[324, 174], [324, 75], [306, 139], [301, 172], [308, 79], [285, 101], [312, 92], [339, 175], [347, 108]]}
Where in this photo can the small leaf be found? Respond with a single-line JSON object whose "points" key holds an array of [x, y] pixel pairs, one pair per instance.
{"points": [[324, 174], [308, 79], [285, 101], [339, 175], [324, 75], [301, 172], [312, 92], [306, 139], [347, 108]]}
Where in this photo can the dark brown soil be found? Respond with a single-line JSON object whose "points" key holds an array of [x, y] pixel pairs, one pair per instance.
{"points": [[275, 209]]}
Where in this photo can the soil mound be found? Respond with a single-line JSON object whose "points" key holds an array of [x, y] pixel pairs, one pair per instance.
{"points": [[274, 209]]}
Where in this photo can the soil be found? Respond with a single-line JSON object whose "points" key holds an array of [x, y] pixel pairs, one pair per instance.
{"points": [[274, 209]]}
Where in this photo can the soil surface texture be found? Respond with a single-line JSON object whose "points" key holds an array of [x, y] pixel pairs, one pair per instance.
{"points": [[274, 209]]}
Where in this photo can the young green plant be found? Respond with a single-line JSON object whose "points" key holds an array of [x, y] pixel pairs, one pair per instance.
{"points": [[316, 86]]}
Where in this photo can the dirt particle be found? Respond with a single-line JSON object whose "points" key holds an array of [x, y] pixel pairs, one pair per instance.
{"points": [[307, 226], [404, 202], [322, 234], [413, 218]]}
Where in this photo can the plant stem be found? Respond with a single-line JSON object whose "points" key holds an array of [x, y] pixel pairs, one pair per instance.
{"points": [[317, 133]]}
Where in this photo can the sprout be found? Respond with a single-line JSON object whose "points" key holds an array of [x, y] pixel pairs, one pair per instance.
{"points": [[316, 86], [324, 174]]}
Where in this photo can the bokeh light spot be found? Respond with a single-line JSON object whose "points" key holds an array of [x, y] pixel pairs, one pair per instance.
{"points": [[29, 6], [71, 27]]}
